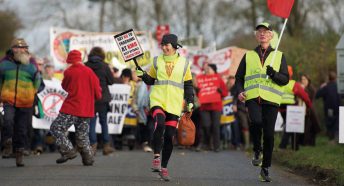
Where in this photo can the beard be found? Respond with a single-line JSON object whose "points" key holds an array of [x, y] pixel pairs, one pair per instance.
{"points": [[22, 57]]}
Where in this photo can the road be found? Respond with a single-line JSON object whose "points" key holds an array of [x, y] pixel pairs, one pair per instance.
{"points": [[133, 168]]}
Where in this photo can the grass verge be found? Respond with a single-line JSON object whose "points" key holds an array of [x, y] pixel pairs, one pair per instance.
{"points": [[323, 163]]}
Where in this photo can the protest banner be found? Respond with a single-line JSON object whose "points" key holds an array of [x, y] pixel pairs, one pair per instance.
{"points": [[227, 116], [341, 124], [59, 45], [208, 85], [63, 40], [295, 121], [52, 98]]}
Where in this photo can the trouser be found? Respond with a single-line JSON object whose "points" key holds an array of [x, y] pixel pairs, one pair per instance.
{"points": [[59, 129], [211, 127], [105, 131], [16, 121], [332, 124], [263, 118], [164, 132], [146, 130]]}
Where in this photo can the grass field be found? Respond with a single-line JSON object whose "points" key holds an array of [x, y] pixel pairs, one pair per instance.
{"points": [[324, 163]]}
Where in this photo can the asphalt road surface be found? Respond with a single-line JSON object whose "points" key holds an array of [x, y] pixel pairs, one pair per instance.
{"points": [[133, 168]]}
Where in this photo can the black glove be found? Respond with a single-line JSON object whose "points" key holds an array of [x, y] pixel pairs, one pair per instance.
{"points": [[270, 71], [219, 90]]}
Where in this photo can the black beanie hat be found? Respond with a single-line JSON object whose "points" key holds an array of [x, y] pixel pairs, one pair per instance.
{"points": [[213, 66], [171, 38]]}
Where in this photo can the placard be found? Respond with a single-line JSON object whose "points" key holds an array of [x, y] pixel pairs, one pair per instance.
{"points": [[295, 121], [341, 124], [129, 45], [208, 85]]}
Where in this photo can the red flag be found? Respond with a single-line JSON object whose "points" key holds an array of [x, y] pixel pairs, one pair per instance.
{"points": [[280, 8]]}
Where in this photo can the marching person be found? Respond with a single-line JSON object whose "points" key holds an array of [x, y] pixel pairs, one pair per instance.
{"points": [[102, 70], [260, 85], [83, 87], [171, 78], [19, 82]]}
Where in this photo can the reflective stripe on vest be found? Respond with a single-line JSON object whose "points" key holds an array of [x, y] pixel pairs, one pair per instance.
{"points": [[256, 84], [168, 91], [288, 96]]}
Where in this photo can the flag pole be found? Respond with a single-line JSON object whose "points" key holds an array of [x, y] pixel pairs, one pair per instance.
{"points": [[278, 42]]}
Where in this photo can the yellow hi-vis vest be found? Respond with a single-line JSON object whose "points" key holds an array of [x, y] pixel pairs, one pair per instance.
{"points": [[288, 96], [256, 84], [168, 92]]}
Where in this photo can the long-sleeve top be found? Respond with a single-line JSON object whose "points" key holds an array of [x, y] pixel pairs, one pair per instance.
{"points": [[18, 82], [330, 97], [281, 77], [83, 88], [102, 70]]}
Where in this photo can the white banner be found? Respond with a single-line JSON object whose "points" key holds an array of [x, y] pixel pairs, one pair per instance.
{"points": [[295, 121], [59, 45], [341, 124], [118, 107], [63, 40], [53, 96]]}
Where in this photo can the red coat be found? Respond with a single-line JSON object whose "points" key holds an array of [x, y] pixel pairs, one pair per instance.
{"points": [[217, 106], [83, 88]]}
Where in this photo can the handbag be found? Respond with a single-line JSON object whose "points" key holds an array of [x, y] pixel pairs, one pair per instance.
{"points": [[186, 130]]}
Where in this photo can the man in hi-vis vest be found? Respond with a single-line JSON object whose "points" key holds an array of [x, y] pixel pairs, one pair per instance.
{"points": [[260, 83], [171, 78]]}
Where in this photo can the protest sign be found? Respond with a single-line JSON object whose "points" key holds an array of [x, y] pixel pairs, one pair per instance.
{"points": [[129, 45], [295, 121], [118, 107], [208, 85], [341, 124], [227, 116]]}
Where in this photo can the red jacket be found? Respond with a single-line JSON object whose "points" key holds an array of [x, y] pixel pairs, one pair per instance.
{"points": [[217, 106], [83, 88]]}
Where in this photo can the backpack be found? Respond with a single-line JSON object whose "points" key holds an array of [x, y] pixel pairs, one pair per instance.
{"points": [[186, 130]]}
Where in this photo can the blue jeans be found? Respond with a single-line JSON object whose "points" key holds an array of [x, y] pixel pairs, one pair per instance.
{"points": [[105, 131]]}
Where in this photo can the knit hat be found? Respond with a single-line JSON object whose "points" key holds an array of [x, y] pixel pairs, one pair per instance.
{"points": [[213, 66], [171, 38], [73, 57]]}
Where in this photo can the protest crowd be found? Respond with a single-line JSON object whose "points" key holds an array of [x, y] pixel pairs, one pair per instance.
{"points": [[233, 109]]}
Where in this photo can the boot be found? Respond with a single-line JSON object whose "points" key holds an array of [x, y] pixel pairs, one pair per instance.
{"points": [[7, 151], [87, 158], [19, 157], [69, 156], [94, 149], [107, 149]]}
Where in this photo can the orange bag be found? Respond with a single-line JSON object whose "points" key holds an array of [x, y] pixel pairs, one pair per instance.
{"points": [[186, 130]]}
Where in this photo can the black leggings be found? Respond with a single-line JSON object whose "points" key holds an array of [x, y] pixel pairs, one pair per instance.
{"points": [[163, 134]]}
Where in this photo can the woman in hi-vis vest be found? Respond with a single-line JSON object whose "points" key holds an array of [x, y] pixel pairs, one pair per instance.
{"points": [[171, 78], [260, 83]]}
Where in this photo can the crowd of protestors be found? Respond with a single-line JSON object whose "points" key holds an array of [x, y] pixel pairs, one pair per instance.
{"points": [[156, 101]]}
